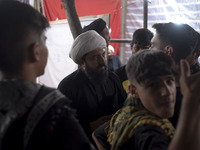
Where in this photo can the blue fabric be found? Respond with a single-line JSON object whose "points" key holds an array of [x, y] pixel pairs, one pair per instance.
{"points": [[114, 62]]}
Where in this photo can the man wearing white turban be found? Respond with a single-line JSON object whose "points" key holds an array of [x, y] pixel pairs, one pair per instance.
{"points": [[85, 43], [96, 93]]}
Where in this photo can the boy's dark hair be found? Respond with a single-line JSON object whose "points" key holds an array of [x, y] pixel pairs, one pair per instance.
{"points": [[142, 38], [181, 37], [197, 48], [17, 21], [147, 64]]}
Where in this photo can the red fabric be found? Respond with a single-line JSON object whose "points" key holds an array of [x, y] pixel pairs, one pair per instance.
{"points": [[54, 9], [115, 25]]}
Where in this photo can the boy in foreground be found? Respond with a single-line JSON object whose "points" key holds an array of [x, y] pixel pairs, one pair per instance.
{"points": [[32, 116], [143, 121]]}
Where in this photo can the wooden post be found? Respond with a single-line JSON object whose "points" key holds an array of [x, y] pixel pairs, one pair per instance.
{"points": [[72, 17]]}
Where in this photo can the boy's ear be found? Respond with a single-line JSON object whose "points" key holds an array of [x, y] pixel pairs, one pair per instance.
{"points": [[133, 91], [33, 52], [169, 50]]}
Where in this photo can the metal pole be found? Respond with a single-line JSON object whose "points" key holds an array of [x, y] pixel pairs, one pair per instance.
{"points": [[145, 14], [123, 27], [42, 7], [120, 40]]}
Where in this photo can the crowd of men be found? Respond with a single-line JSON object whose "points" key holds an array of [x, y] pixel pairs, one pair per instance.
{"points": [[153, 102]]}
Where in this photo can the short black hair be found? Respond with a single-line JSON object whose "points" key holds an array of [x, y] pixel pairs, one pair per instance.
{"points": [[181, 37], [147, 64], [142, 38], [197, 48], [17, 20]]}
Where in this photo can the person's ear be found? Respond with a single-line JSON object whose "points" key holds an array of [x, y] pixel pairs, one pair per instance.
{"points": [[133, 91], [197, 54], [34, 52], [81, 63], [169, 50], [131, 45]]}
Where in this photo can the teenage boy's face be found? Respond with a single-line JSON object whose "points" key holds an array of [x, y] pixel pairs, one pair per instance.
{"points": [[43, 52], [158, 95]]}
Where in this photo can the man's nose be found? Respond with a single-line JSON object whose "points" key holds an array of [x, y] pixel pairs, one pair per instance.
{"points": [[102, 59]]}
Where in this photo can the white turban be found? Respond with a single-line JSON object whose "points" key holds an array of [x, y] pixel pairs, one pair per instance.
{"points": [[85, 43]]}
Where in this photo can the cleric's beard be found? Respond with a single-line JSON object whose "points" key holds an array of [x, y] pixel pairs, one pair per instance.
{"points": [[97, 77]]}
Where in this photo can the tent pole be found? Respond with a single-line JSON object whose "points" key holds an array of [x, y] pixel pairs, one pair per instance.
{"points": [[123, 28], [145, 14], [72, 17]]}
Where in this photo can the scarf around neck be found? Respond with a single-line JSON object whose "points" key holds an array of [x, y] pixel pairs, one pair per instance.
{"points": [[126, 120]]}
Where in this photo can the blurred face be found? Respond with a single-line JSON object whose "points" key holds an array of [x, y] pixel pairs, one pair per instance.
{"points": [[106, 35], [156, 43], [109, 52], [158, 95], [43, 53], [134, 48], [94, 65]]}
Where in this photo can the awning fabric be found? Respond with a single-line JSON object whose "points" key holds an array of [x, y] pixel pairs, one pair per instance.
{"points": [[54, 10]]}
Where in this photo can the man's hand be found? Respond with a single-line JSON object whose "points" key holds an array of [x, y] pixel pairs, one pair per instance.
{"points": [[187, 133], [190, 86]]}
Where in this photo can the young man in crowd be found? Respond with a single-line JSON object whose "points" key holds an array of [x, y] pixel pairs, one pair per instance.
{"points": [[141, 40], [142, 123], [31, 116], [180, 41]]}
